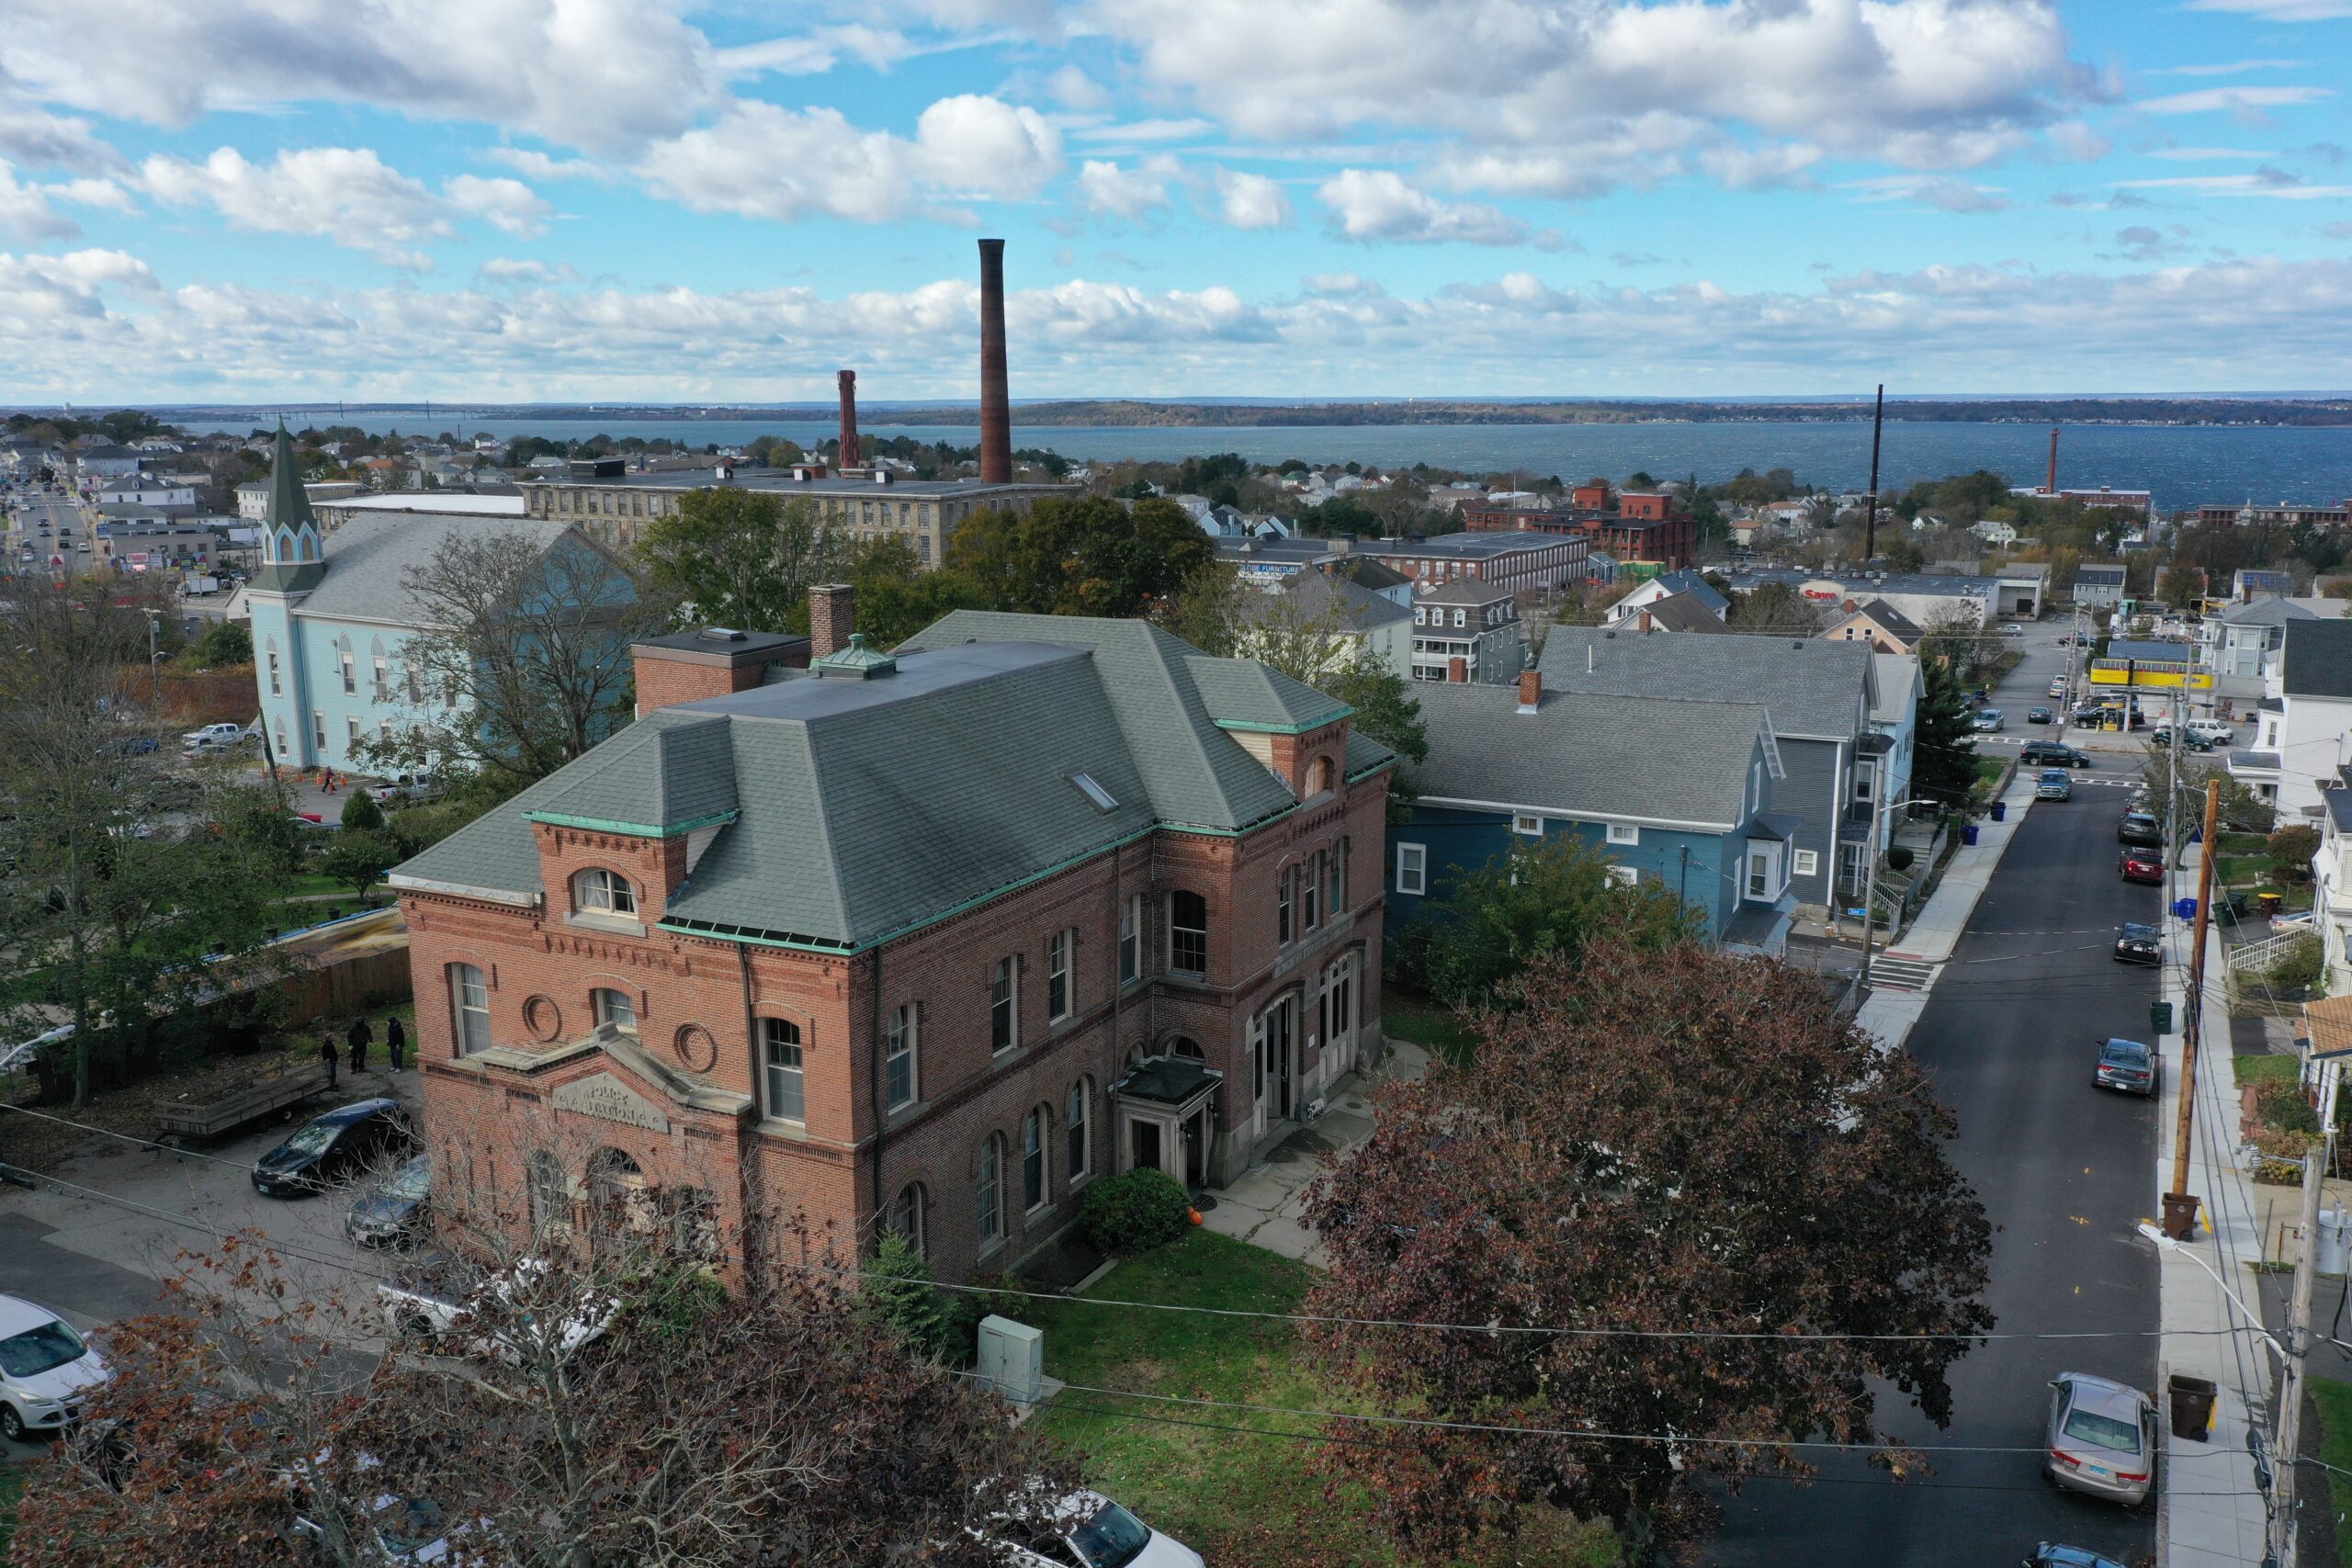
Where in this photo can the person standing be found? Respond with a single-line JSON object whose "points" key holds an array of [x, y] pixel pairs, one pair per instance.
{"points": [[327, 1054], [396, 1042], [361, 1037]]}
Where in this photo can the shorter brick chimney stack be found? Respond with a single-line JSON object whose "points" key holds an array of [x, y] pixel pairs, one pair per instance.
{"points": [[832, 616], [1531, 687]]}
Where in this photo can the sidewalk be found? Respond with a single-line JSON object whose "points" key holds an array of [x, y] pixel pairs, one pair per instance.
{"points": [[1891, 1011], [2210, 1512]]}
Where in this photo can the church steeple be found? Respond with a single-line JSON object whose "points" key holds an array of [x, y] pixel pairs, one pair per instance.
{"points": [[293, 551]]}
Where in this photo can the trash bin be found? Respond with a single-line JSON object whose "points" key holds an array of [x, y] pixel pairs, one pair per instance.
{"points": [[2180, 1215], [2268, 903], [2000, 811], [2193, 1406], [1968, 833], [2160, 1017]]}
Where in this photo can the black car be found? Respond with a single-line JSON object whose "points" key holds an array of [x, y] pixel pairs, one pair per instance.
{"points": [[2190, 739], [393, 1213], [2051, 754], [2138, 828], [2136, 943], [2049, 1554], [2037, 716], [334, 1147]]}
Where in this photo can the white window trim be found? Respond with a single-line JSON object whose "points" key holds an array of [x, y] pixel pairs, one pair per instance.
{"points": [[1416, 856], [1527, 824], [912, 1051], [1624, 875], [1624, 833], [1806, 863]]}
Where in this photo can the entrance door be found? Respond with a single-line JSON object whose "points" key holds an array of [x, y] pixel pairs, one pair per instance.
{"points": [[1280, 1022], [1196, 1148], [1143, 1142]]}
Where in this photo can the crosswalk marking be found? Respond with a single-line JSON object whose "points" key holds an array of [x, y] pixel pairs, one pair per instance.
{"points": [[1895, 973]]}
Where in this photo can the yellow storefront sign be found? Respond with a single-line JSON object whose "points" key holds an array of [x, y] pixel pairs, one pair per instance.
{"points": [[2146, 674]]}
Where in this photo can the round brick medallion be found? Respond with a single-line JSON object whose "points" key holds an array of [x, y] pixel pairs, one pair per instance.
{"points": [[697, 1052], [543, 1018]]}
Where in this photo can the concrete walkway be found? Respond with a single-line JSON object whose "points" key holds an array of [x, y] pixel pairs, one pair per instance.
{"points": [[1906, 972], [1262, 1207], [2210, 1513]]}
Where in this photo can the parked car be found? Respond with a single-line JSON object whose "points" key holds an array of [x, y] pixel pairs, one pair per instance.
{"points": [[2058, 687], [2128, 1065], [1086, 1530], [2052, 754], [2213, 732], [46, 1370], [2050, 1554], [436, 1304], [213, 734], [2138, 828], [2013, 630], [2037, 716], [2087, 713], [1989, 720], [409, 787], [2136, 943], [333, 1146], [394, 1212], [2055, 783], [2141, 864], [2101, 1437]]}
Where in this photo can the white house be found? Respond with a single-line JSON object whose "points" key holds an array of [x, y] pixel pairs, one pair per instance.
{"points": [[1665, 586], [1346, 616], [2303, 729]]}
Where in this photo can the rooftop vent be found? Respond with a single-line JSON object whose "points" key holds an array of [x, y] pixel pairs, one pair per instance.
{"points": [[720, 634]]}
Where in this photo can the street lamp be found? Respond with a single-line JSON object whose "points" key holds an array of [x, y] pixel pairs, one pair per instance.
{"points": [[2167, 1244]]}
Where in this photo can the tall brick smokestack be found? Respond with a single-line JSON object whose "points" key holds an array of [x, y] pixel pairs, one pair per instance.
{"points": [[850, 455], [996, 401], [2052, 487]]}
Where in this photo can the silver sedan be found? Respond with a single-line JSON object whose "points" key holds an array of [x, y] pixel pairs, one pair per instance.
{"points": [[2102, 1437]]}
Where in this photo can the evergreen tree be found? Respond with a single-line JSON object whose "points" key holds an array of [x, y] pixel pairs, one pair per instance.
{"points": [[1946, 762]]}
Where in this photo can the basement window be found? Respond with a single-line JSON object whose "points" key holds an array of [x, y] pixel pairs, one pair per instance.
{"points": [[1103, 798]]}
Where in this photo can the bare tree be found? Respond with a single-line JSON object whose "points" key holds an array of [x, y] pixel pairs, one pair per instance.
{"points": [[525, 656]]}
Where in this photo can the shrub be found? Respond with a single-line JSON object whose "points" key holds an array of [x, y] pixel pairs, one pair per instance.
{"points": [[898, 1291], [2283, 1106], [2291, 850], [1135, 1212], [1899, 857], [361, 814], [2300, 969]]}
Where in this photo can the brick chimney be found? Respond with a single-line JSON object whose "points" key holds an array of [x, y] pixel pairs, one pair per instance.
{"points": [[996, 401], [687, 667], [832, 616], [850, 456], [1645, 623], [1531, 687]]}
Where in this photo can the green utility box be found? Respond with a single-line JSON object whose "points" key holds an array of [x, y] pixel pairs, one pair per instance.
{"points": [[2160, 1017]]}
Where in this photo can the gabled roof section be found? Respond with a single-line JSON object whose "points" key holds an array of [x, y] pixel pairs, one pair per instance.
{"points": [[1893, 621], [671, 773], [1198, 777], [1683, 579], [2318, 660], [370, 558], [1815, 690], [1683, 613], [1243, 695]]}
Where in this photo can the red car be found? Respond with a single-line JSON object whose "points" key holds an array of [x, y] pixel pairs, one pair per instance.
{"points": [[2143, 865]]}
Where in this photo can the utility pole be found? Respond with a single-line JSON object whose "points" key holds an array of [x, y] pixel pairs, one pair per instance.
{"points": [[2298, 1323], [1870, 528], [2181, 1208], [1870, 861]]}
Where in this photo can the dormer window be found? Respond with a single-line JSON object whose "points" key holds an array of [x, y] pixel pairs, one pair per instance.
{"points": [[601, 892]]}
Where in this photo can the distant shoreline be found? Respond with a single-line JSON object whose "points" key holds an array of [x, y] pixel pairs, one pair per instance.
{"points": [[1110, 413]]}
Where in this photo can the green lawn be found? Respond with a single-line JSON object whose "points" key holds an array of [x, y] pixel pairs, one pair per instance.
{"points": [[1408, 1016], [2242, 843], [1230, 1497], [2333, 1397], [2265, 1069]]}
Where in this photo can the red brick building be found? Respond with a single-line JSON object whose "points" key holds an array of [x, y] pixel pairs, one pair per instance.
{"points": [[1517, 566], [1645, 528], [931, 940]]}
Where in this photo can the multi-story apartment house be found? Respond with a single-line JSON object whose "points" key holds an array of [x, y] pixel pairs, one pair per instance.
{"points": [[1467, 630], [1821, 697], [929, 939], [2332, 892], [1676, 790], [2303, 727]]}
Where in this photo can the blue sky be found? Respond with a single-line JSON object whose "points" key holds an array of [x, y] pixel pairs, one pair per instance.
{"points": [[583, 200]]}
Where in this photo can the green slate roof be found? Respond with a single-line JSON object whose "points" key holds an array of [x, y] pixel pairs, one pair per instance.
{"points": [[863, 808], [1241, 694]]}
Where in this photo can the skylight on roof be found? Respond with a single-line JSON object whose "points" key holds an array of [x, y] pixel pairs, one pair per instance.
{"points": [[1103, 798]]}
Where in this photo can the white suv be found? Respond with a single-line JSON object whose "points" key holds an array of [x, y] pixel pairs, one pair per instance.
{"points": [[2213, 730], [45, 1370]]}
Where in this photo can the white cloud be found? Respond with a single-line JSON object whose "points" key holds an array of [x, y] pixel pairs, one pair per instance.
{"points": [[347, 195], [2239, 100], [1376, 203], [2227, 68], [1338, 285], [1145, 131], [2277, 184], [762, 161], [36, 138], [1251, 202], [815, 53], [1074, 89], [2207, 154], [1943, 195], [26, 214], [511, 269], [2074, 139], [540, 166], [1766, 167], [1111, 191]]}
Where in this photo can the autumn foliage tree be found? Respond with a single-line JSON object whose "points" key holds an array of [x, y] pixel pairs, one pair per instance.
{"points": [[1675, 1144]]}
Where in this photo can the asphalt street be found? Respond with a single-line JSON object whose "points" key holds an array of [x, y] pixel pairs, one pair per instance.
{"points": [[63, 518], [2066, 1172]]}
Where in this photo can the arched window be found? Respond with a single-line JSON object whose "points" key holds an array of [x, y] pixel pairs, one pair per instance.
{"points": [[1188, 933], [906, 1214], [470, 1008], [1075, 1123], [307, 553], [598, 891], [1185, 1046], [1034, 1184], [991, 1194], [784, 1067], [621, 1200], [616, 1008], [551, 1204], [1318, 775]]}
